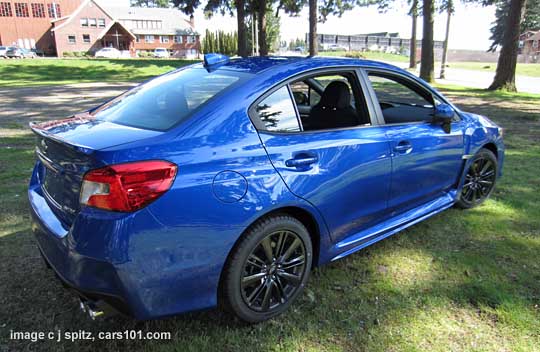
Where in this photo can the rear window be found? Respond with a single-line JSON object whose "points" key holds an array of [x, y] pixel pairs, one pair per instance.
{"points": [[167, 100]]}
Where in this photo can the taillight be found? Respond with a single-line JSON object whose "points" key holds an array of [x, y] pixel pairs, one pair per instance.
{"points": [[127, 187]]}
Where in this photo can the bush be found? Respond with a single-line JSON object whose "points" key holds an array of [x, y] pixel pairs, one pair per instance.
{"points": [[355, 55], [144, 54], [67, 53]]}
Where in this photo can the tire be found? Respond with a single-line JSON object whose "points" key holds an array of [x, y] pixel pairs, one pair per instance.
{"points": [[258, 289], [480, 179]]}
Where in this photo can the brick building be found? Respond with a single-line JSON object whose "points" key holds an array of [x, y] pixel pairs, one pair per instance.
{"points": [[27, 23], [86, 25], [529, 46]]}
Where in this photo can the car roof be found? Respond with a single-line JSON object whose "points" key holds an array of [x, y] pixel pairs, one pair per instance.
{"points": [[292, 65]]}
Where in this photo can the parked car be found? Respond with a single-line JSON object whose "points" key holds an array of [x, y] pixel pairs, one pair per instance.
{"points": [[226, 182], [19, 53], [335, 47], [109, 53], [3, 50], [161, 53], [38, 52]]}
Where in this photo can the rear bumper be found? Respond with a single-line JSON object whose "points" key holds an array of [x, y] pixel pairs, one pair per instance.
{"points": [[132, 261], [92, 279]]}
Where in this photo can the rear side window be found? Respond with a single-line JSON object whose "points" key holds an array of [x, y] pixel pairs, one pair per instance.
{"points": [[167, 100], [277, 112]]}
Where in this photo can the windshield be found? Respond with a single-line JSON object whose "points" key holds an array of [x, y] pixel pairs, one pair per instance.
{"points": [[167, 100]]}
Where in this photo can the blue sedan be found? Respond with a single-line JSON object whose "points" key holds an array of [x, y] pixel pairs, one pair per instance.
{"points": [[226, 182]]}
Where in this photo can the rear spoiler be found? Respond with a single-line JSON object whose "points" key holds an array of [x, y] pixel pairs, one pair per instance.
{"points": [[41, 130]]}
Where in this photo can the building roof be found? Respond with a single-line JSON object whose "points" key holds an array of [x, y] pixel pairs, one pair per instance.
{"points": [[173, 20]]}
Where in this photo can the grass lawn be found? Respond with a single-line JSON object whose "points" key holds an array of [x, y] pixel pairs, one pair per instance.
{"points": [[24, 73], [371, 55], [532, 70], [460, 281]]}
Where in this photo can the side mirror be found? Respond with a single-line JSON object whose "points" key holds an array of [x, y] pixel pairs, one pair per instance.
{"points": [[444, 115]]}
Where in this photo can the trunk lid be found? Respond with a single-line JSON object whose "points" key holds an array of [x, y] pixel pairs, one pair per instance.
{"points": [[67, 149]]}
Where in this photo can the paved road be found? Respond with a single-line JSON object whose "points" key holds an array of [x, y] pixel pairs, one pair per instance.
{"points": [[480, 79], [18, 106]]}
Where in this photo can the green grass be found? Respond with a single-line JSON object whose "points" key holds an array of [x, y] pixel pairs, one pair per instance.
{"points": [[371, 55], [532, 70], [24, 73], [460, 281]]}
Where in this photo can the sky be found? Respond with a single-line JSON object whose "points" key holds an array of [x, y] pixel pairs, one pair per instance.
{"points": [[469, 27]]}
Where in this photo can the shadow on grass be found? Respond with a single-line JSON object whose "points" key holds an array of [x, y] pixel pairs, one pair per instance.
{"points": [[20, 73]]}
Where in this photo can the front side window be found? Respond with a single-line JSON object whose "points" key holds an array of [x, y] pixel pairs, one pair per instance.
{"points": [[149, 38], [191, 39], [101, 23], [164, 39], [178, 39], [92, 22], [86, 38], [277, 112], [167, 100], [71, 39], [401, 100], [84, 22]]}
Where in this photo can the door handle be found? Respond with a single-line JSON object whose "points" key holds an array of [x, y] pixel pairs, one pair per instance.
{"points": [[403, 147], [301, 162]]}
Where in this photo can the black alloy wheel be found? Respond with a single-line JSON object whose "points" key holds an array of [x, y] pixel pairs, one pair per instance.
{"points": [[480, 179], [273, 271], [268, 268]]}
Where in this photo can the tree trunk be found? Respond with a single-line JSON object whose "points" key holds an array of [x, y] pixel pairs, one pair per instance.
{"points": [[263, 46], [449, 11], [313, 45], [505, 77], [427, 64], [242, 35], [414, 15]]}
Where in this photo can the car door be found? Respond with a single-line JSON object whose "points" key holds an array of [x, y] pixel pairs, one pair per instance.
{"points": [[343, 172], [426, 160]]}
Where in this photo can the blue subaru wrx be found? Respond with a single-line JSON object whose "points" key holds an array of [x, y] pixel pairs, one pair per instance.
{"points": [[225, 182]]}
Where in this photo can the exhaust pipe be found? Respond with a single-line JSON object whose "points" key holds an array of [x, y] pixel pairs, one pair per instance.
{"points": [[91, 309]]}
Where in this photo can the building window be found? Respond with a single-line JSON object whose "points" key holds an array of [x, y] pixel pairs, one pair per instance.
{"points": [[191, 39], [178, 39], [92, 22], [21, 9], [84, 22], [535, 44], [38, 10], [54, 10], [137, 39], [149, 38], [164, 39], [5, 9], [71, 39], [101, 22], [86, 38]]}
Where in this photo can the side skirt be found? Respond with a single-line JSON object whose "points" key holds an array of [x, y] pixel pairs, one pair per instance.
{"points": [[376, 233]]}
